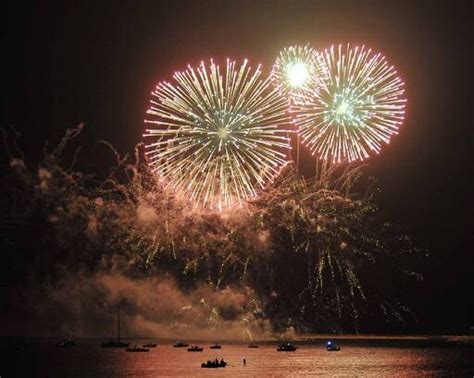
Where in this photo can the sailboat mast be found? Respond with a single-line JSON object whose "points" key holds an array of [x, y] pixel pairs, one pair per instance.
{"points": [[118, 322]]}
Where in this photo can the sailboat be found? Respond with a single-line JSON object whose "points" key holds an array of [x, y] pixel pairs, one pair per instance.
{"points": [[116, 343]]}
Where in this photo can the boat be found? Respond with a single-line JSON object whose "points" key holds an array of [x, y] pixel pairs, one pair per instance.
{"points": [[252, 345], [22, 345], [115, 344], [214, 364], [216, 346], [286, 347], [118, 343], [180, 344], [70, 342], [195, 348], [331, 347], [149, 345], [136, 348]]}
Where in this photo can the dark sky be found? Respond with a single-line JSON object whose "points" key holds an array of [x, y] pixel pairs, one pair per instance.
{"points": [[72, 61]]}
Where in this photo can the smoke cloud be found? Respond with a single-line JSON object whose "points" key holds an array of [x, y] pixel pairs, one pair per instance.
{"points": [[302, 256], [86, 306]]}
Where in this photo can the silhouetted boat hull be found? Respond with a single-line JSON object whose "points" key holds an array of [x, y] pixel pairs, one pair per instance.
{"points": [[195, 349], [137, 349], [214, 365], [287, 347], [330, 347], [67, 343], [115, 344]]}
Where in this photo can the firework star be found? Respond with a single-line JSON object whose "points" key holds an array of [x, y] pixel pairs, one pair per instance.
{"points": [[298, 72], [217, 136], [358, 109]]}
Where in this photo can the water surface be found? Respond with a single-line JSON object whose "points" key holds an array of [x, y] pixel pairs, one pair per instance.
{"points": [[88, 359]]}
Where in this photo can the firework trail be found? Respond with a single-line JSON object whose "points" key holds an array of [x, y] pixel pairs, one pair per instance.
{"points": [[358, 109], [298, 72], [311, 255], [217, 136]]}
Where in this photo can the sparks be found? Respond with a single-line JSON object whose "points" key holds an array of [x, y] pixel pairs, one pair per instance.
{"points": [[218, 136], [298, 71], [357, 109]]}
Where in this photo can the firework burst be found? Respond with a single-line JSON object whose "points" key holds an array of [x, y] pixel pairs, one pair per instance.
{"points": [[359, 108], [298, 72], [217, 137]]}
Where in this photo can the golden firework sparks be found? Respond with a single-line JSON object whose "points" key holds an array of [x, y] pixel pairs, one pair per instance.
{"points": [[217, 137]]}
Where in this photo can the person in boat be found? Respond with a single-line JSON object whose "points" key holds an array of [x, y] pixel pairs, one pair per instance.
{"points": [[245, 362]]}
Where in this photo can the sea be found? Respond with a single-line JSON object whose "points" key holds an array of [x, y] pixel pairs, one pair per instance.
{"points": [[363, 358]]}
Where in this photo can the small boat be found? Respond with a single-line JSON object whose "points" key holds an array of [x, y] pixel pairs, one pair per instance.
{"points": [[214, 364], [331, 347], [180, 344], [115, 344], [22, 345], [286, 347], [149, 345], [253, 345], [216, 346], [118, 343], [195, 348], [70, 342], [136, 348]]}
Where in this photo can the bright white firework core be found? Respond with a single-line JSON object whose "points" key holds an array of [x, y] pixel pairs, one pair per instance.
{"points": [[343, 108], [297, 74], [223, 133]]}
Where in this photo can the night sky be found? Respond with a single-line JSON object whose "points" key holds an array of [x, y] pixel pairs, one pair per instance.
{"points": [[73, 61]]}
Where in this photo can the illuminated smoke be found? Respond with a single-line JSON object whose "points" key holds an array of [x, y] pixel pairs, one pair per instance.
{"points": [[304, 254]]}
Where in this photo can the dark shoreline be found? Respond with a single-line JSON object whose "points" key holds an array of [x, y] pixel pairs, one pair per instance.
{"points": [[400, 341]]}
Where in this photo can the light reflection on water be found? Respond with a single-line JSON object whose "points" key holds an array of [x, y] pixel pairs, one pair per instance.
{"points": [[90, 360]]}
